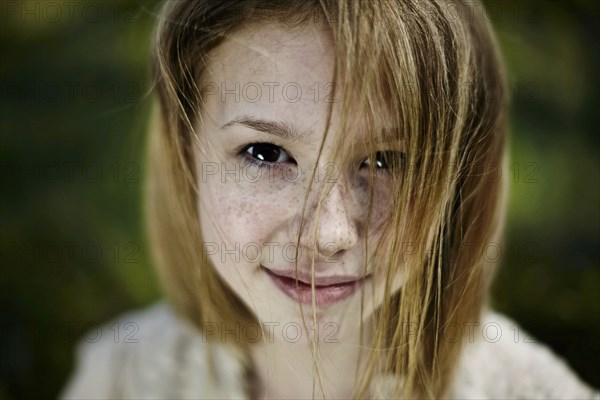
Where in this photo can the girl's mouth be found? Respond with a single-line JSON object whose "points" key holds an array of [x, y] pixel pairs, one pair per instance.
{"points": [[328, 290]]}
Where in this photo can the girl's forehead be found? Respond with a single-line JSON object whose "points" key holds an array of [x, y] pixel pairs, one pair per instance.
{"points": [[274, 49], [270, 72]]}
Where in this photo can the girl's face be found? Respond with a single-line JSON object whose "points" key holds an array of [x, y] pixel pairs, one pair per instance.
{"points": [[267, 91]]}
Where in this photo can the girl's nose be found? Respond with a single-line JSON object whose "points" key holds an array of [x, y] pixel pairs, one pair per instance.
{"points": [[336, 229]]}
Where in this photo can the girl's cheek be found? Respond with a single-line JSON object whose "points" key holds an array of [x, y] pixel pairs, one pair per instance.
{"points": [[380, 203], [277, 187], [382, 206], [251, 209]]}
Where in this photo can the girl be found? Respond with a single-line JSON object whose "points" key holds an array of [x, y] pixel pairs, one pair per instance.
{"points": [[323, 178]]}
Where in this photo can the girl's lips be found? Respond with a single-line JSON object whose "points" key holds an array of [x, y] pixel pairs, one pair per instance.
{"points": [[325, 294]]}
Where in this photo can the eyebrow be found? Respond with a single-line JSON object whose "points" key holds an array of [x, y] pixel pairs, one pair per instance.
{"points": [[288, 131], [284, 130], [392, 135]]}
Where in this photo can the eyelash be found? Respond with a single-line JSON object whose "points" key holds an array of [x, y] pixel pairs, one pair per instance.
{"points": [[392, 167], [250, 160]]}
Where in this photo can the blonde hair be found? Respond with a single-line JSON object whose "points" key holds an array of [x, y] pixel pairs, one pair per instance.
{"points": [[435, 65]]}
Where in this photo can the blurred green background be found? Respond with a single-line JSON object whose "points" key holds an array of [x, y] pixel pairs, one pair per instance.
{"points": [[74, 99]]}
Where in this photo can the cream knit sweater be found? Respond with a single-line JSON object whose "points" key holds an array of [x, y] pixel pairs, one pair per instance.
{"points": [[154, 354]]}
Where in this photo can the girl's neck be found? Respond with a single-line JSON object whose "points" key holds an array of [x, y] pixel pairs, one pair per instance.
{"points": [[286, 370]]}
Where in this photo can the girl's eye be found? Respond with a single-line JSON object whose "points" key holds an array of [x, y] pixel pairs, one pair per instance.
{"points": [[267, 153], [387, 160]]}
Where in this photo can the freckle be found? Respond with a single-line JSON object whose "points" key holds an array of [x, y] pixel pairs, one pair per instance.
{"points": [[242, 208]]}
